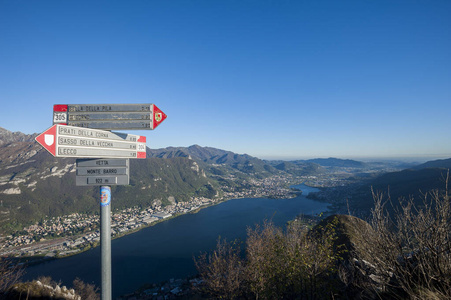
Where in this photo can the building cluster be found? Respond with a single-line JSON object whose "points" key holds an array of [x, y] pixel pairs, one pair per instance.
{"points": [[67, 235], [276, 186], [80, 231]]}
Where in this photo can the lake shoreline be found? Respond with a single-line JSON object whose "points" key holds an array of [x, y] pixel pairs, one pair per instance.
{"points": [[38, 259], [165, 250]]}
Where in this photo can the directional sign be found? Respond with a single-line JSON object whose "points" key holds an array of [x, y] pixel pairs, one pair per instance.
{"points": [[109, 116], [102, 172], [69, 141], [102, 180], [101, 162]]}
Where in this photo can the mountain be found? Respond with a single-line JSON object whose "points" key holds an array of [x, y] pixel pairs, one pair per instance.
{"points": [[16, 147], [7, 136], [217, 159], [414, 181], [439, 163], [337, 162], [314, 167], [405, 184], [299, 168], [34, 184], [411, 183]]}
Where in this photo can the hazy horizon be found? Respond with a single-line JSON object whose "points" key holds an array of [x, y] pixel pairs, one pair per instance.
{"points": [[410, 158]]}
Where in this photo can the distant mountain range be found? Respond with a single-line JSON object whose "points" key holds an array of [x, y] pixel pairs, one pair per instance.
{"points": [[439, 163], [336, 162], [413, 183], [299, 168], [34, 184]]}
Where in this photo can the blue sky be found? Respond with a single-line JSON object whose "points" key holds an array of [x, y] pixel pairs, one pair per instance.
{"points": [[273, 79]]}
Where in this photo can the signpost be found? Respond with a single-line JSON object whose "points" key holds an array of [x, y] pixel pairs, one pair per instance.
{"points": [[70, 141], [79, 131], [102, 172], [109, 116]]}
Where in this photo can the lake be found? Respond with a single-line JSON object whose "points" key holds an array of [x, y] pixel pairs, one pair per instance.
{"points": [[166, 250]]}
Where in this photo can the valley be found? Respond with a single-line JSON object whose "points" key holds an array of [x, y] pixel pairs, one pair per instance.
{"points": [[43, 214]]}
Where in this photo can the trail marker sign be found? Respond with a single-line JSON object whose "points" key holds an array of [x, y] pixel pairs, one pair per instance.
{"points": [[109, 116], [102, 172], [80, 130], [70, 141]]}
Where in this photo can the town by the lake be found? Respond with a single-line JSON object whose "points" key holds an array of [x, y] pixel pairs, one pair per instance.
{"points": [[74, 233]]}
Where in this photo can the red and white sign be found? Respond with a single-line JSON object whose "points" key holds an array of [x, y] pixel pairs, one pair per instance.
{"points": [[47, 139], [158, 116], [70, 141], [109, 116]]}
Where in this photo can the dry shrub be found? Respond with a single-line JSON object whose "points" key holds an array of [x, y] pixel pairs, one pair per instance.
{"points": [[86, 291], [278, 265], [10, 273], [411, 249], [222, 270]]}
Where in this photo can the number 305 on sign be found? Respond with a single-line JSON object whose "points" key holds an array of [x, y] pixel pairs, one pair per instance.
{"points": [[59, 117]]}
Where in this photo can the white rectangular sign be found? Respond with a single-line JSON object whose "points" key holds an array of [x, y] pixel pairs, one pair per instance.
{"points": [[102, 172], [102, 162], [102, 180], [83, 171], [70, 141]]}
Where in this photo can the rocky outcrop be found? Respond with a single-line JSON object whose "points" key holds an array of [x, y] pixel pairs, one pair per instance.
{"points": [[38, 290]]}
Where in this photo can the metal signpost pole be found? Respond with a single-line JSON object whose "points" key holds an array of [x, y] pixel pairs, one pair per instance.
{"points": [[105, 241]]}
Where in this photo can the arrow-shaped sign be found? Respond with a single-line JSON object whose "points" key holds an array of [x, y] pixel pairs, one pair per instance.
{"points": [[70, 141], [109, 116], [47, 139]]}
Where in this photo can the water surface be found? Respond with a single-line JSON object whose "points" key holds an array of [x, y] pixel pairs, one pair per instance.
{"points": [[166, 250]]}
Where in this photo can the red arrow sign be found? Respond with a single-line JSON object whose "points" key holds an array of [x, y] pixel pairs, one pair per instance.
{"points": [[70, 141], [158, 116], [109, 116], [47, 139]]}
